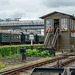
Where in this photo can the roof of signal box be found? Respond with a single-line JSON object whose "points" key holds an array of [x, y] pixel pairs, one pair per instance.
{"points": [[42, 17]]}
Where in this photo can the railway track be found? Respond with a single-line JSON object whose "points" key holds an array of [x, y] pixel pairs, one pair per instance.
{"points": [[65, 62], [16, 71]]}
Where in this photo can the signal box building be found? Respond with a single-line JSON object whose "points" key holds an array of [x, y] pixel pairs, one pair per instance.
{"points": [[59, 30]]}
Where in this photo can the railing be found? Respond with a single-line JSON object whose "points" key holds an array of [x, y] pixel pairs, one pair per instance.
{"points": [[55, 37], [29, 22], [47, 38], [53, 41]]}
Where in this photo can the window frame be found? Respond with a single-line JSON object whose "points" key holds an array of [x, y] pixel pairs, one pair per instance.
{"points": [[64, 23], [49, 23]]}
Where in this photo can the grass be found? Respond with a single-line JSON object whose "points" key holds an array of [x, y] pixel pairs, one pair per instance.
{"points": [[12, 56], [25, 64], [9, 61], [20, 45]]}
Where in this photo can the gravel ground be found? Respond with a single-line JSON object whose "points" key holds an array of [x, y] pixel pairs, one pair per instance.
{"points": [[18, 60], [13, 61], [69, 65], [28, 72]]}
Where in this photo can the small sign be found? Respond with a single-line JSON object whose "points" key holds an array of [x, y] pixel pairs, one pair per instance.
{"points": [[72, 34]]}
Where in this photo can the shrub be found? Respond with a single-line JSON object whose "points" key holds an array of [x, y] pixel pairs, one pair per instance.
{"points": [[11, 50], [36, 52], [45, 53], [33, 52]]}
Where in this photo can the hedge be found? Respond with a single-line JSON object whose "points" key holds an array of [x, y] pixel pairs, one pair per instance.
{"points": [[14, 49]]}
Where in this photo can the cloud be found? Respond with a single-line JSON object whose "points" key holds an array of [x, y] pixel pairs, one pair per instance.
{"points": [[58, 3], [20, 8], [33, 9], [16, 13], [4, 2]]}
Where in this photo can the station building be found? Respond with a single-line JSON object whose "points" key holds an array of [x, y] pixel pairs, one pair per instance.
{"points": [[29, 26], [64, 37]]}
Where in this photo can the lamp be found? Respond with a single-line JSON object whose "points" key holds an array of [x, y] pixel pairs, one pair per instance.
{"points": [[31, 37]]}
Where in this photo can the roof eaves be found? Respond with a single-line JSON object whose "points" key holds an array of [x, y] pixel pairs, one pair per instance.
{"points": [[54, 13], [42, 17]]}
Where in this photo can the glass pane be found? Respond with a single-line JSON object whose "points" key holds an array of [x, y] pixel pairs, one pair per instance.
{"points": [[72, 24], [48, 23], [64, 23]]}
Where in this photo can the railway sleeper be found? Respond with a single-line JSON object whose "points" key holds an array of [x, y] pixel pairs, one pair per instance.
{"points": [[30, 67]]}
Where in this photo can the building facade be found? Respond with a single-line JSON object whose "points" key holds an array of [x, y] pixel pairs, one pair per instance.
{"points": [[34, 26], [66, 25]]}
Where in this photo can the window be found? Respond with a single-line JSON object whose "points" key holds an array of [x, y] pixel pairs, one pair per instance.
{"points": [[26, 36], [16, 36], [48, 23], [12, 36], [72, 24], [19, 36], [3, 35], [6, 36], [64, 23]]}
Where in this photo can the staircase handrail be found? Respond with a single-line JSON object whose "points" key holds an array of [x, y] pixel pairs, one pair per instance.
{"points": [[55, 37], [47, 38]]}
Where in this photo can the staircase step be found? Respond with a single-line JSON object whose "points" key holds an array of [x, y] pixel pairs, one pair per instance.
{"points": [[53, 41]]}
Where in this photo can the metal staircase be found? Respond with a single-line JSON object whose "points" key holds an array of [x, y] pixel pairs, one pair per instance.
{"points": [[53, 41], [48, 36], [55, 38]]}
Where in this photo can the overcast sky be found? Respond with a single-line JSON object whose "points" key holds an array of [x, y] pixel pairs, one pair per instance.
{"points": [[33, 9]]}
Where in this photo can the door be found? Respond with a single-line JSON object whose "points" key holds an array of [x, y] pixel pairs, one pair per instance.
{"points": [[56, 24]]}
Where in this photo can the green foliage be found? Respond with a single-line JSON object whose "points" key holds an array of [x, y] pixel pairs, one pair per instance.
{"points": [[13, 56], [45, 53], [1, 65], [13, 50], [52, 55], [9, 61], [33, 52], [36, 52]]}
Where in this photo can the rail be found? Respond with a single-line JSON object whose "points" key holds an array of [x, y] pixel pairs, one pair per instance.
{"points": [[16, 70], [21, 69], [54, 69]]}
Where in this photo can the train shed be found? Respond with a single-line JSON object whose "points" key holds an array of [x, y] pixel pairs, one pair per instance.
{"points": [[59, 30]]}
